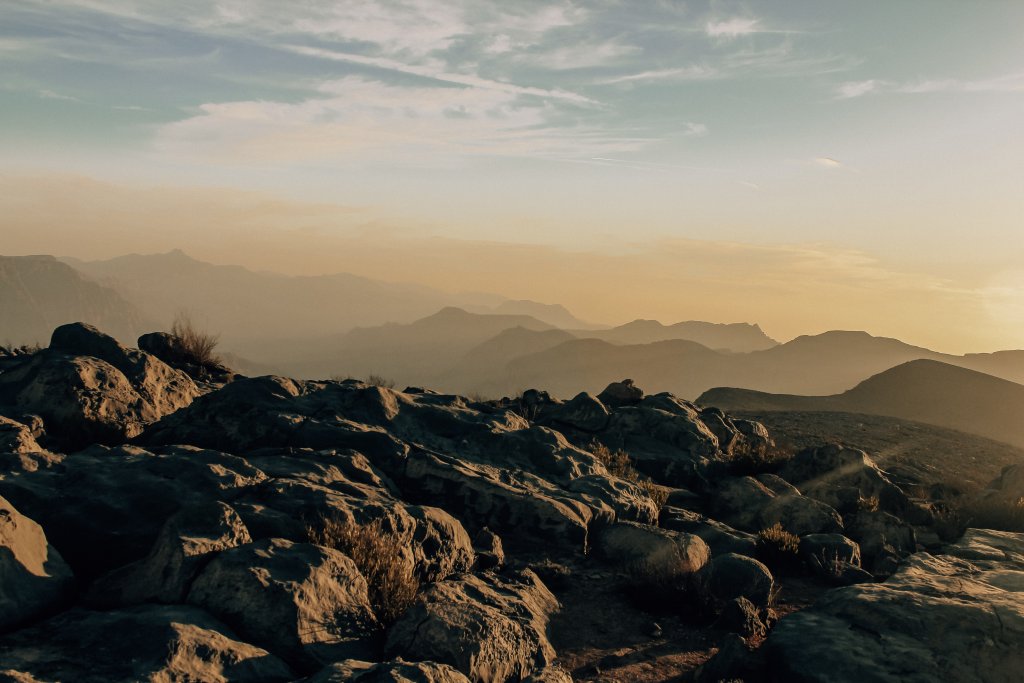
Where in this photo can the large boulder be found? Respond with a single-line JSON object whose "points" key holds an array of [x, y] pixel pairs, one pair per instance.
{"points": [[94, 388], [114, 501], [583, 412], [721, 538], [618, 394], [305, 602], [738, 502], [186, 543], [884, 539], [651, 551], [34, 579], [953, 617], [800, 515], [147, 643], [731, 576], [492, 628]]}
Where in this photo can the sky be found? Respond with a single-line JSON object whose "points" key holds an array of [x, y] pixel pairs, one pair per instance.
{"points": [[802, 165]]}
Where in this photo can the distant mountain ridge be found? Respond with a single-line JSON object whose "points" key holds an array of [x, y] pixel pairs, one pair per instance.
{"points": [[922, 390], [38, 293]]}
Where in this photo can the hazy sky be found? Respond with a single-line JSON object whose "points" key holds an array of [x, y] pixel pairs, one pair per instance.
{"points": [[804, 165]]}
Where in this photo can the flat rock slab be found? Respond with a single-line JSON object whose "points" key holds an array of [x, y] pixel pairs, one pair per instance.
{"points": [[952, 617]]}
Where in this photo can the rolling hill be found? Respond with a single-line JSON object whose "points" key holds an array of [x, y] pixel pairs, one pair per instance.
{"points": [[925, 391]]}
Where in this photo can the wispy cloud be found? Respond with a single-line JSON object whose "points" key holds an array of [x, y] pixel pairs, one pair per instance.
{"points": [[51, 95], [732, 27], [357, 119], [436, 72], [1006, 83], [828, 162], [683, 73]]}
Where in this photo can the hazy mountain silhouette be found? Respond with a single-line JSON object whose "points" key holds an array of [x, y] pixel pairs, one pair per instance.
{"points": [[38, 293], [247, 307], [923, 390], [739, 337], [407, 353], [555, 315]]}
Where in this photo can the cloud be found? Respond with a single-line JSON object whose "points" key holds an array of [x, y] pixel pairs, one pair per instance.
{"points": [[828, 162], [438, 73], [852, 89], [683, 73], [732, 28], [1006, 83], [358, 119], [51, 95]]}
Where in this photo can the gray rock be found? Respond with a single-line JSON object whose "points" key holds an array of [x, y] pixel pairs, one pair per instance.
{"points": [[800, 515], [96, 390], [186, 543], [653, 551], [883, 539], [305, 602], [34, 580], [583, 412], [939, 618], [730, 576], [840, 477], [491, 628], [721, 538], [490, 553], [618, 394], [147, 643]]}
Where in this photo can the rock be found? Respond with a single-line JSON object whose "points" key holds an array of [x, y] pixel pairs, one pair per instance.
{"points": [[19, 449], [834, 558], [841, 477], [398, 671], [1008, 487], [618, 394], [800, 515], [186, 543], [490, 554], [939, 618], [34, 580], [491, 628], [733, 662], [613, 499], [114, 501], [304, 602], [883, 539], [730, 576], [743, 617], [148, 643], [721, 538], [584, 412], [94, 388], [652, 551], [738, 501]]}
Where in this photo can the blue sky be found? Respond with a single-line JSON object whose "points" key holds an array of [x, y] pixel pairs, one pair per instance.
{"points": [[881, 133]]}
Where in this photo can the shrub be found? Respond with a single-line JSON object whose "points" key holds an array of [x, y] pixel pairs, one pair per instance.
{"points": [[867, 504], [377, 553], [194, 345], [619, 464], [752, 461], [375, 380], [777, 547]]}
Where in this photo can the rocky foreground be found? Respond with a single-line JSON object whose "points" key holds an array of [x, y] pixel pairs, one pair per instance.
{"points": [[162, 520]]}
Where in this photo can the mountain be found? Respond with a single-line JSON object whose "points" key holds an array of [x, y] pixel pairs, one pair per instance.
{"points": [[922, 390], [739, 337], [38, 293], [410, 353], [250, 309], [555, 315]]}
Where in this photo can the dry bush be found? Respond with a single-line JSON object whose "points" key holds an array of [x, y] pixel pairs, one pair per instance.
{"points": [[867, 503], [778, 548], [751, 462], [375, 380], [391, 580], [619, 464], [194, 345]]}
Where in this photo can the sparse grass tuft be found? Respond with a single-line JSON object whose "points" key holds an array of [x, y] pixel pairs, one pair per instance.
{"points": [[377, 553], [751, 462], [867, 504], [195, 345], [995, 513]]}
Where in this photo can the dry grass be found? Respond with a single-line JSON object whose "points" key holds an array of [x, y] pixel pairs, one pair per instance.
{"points": [[619, 464], [195, 345], [375, 380], [867, 503], [377, 553], [778, 548], [995, 513]]}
